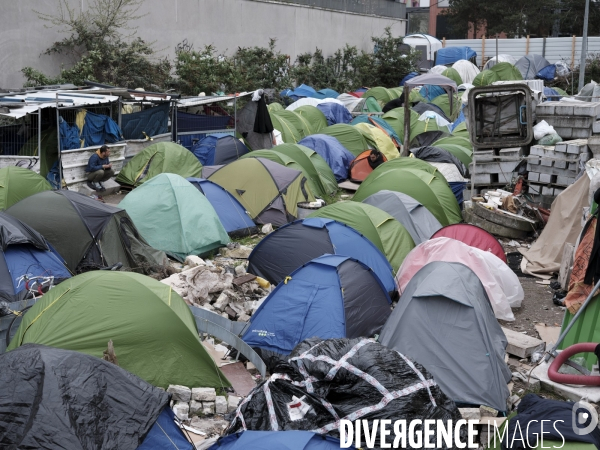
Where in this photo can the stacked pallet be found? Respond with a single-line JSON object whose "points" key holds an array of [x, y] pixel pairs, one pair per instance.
{"points": [[553, 168], [571, 120]]}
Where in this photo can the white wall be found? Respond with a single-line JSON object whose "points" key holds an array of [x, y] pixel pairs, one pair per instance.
{"points": [[227, 24]]}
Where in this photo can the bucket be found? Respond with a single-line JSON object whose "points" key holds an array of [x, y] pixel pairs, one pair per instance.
{"points": [[306, 208]]}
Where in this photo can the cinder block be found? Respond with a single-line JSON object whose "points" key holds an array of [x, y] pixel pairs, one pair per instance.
{"points": [[576, 147], [547, 162], [561, 147], [586, 109], [533, 160], [563, 109], [565, 181], [545, 178], [535, 189], [547, 190], [596, 127], [514, 152], [568, 122], [533, 176], [581, 133], [561, 163], [564, 133], [495, 167], [574, 166], [545, 109], [483, 155], [481, 178]]}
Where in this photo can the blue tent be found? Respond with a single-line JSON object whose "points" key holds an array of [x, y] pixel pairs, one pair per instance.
{"points": [[300, 92], [23, 251], [277, 440], [379, 123], [333, 152], [431, 91], [165, 434], [450, 55], [547, 73], [327, 93], [232, 214], [329, 297], [551, 95], [410, 76], [295, 244], [335, 113], [219, 148]]}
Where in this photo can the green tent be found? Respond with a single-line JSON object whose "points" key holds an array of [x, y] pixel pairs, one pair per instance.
{"points": [[269, 191], [349, 136], [395, 118], [385, 232], [152, 329], [461, 130], [379, 140], [289, 133], [169, 211], [272, 107], [453, 75], [16, 183], [381, 94], [415, 96], [458, 146], [485, 78], [443, 101], [397, 91], [313, 116], [162, 157], [371, 105], [411, 177], [300, 123], [506, 72]]}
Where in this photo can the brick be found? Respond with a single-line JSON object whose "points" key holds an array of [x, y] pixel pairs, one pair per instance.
{"points": [[563, 109], [545, 178], [533, 176], [565, 181]]}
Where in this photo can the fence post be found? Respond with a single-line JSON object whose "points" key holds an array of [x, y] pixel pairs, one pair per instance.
{"points": [[482, 51], [443, 42], [573, 54], [527, 46]]}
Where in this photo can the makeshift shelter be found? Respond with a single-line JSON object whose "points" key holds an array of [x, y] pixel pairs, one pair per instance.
{"points": [[25, 252], [291, 439], [169, 212], [485, 78], [289, 133], [299, 123], [88, 234], [35, 382], [350, 137], [232, 214], [385, 232], [506, 72], [332, 151], [152, 329], [450, 55], [162, 157], [329, 297], [292, 156], [444, 319], [427, 187], [17, 183], [500, 282], [473, 236], [269, 191], [334, 113], [530, 65], [293, 245], [466, 69], [417, 220], [219, 148], [313, 116], [360, 168], [378, 139], [501, 58]]}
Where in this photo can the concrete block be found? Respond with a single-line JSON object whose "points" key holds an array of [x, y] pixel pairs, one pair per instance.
{"points": [[495, 167], [565, 181], [545, 178], [553, 170], [573, 167], [567, 122], [481, 178], [533, 160], [561, 147], [484, 155], [545, 109], [596, 127], [563, 109], [533, 176], [111, 187], [581, 133], [561, 163], [232, 403], [547, 190], [577, 146], [587, 109], [535, 189], [204, 394], [564, 133], [180, 393], [514, 152], [221, 404], [547, 162], [557, 191]]}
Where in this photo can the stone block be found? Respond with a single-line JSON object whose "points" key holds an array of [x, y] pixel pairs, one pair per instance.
{"points": [[241, 252], [195, 408], [208, 408], [533, 176], [182, 410], [204, 394], [180, 393], [194, 261], [220, 404], [240, 270], [232, 403]]}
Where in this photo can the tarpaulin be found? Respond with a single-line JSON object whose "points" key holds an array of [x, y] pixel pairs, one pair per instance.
{"points": [[99, 129], [152, 121]]}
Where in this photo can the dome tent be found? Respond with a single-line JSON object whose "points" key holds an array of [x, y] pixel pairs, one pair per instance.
{"points": [[379, 140], [153, 330], [88, 233], [218, 148], [17, 183], [350, 137], [473, 236], [232, 214], [295, 244], [162, 157], [269, 191], [169, 212], [312, 115], [334, 153], [329, 297], [385, 232], [444, 320]]}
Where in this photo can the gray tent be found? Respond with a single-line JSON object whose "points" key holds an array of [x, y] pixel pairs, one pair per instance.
{"points": [[530, 65], [444, 321], [417, 220]]}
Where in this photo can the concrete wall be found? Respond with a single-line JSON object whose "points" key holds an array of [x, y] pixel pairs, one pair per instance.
{"points": [[227, 24]]}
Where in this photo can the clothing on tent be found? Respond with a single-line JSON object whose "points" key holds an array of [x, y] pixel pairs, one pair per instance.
{"points": [[99, 129], [152, 121], [69, 136], [262, 121]]}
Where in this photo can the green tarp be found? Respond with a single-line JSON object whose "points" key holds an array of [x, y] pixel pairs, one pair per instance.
{"points": [[162, 157], [349, 136], [152, 329], [174, 216], [17, 183], [385, 232], [313, 116]]}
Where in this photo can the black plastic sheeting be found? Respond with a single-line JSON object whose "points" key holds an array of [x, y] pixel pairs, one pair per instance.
{"points": [[437, 154], [53, 399], [348, 392]]}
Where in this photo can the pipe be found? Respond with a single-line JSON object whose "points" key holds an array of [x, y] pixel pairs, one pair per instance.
{"points": [[584, 380]]}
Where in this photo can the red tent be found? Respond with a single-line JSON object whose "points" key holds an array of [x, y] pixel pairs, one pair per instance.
{"points": [[360, 168], [473, 236]]}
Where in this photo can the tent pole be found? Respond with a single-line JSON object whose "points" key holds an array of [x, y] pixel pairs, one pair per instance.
{"points": [[406, 121]]}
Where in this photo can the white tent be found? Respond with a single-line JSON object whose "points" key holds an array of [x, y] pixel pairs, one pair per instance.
{"points": [[466, 69]]}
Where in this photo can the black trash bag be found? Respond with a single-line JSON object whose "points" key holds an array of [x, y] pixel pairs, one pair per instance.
{"points": [[353, 388], [54, 398]]}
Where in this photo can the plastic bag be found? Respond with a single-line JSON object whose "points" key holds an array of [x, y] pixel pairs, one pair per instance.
{"points": [[542, 129], [550, 139], [562, 69]]}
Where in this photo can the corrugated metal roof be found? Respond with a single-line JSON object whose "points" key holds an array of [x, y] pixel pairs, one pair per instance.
{"points": [[204, 100]]}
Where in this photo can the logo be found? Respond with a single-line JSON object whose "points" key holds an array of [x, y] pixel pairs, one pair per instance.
{"points": [[584, 418], [264, 333]]}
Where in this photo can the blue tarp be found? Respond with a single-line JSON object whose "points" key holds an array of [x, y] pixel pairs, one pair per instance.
{"points": [[165, 434], [547, 73], [379, 123], [450, 55], [187, 123], [99, 129], [153, 121], [69, 135], [232, 214], [277, 440], [335, 113], [327, 93], [550, 93], [410, 76], [333, 152], [431, 91], [457, 189], [460, 119], [300, 92]]}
